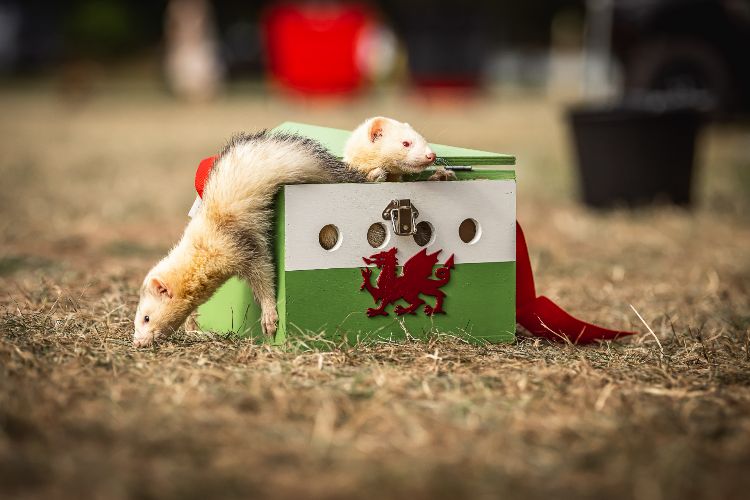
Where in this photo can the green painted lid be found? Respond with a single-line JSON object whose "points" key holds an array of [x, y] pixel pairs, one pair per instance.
{"points": [[334, 139]]}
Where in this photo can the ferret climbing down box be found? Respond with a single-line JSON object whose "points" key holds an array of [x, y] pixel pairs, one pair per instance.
{"points": [[376, 261]]}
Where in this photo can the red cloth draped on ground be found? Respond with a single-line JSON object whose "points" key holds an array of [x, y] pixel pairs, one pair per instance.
{"points": [[542, 317], [538, 315]]}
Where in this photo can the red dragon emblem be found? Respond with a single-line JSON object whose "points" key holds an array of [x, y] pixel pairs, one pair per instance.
{"points": [[415, 279]]}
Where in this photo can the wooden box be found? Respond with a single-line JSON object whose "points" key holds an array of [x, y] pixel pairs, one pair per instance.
{"points": [[470, 222]]}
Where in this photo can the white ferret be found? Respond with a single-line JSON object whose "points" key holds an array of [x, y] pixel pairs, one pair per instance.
{"points": [[385, 149], [229, 236]]}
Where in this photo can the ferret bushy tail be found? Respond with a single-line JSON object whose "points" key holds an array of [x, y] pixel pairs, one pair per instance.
{"points": [[252, 167], [237, 211]]}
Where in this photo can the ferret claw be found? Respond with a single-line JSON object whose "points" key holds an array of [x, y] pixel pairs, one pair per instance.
{"points": [[377, 175], [269, 320], [442, 174]]}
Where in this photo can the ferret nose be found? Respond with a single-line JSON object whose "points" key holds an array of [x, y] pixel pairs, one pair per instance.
{"points": [[431, 156]]}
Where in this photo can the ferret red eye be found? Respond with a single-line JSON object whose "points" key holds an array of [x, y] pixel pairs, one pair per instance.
{"points": [[146, 319], [406, 144]]}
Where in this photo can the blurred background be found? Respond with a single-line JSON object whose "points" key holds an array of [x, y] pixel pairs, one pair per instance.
{"points": [[197, 47], [651, 72], [612, 103]]}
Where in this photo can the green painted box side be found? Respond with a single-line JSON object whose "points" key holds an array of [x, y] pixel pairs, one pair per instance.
{"points": [[232, 309], [479, 304], [279, 255]]}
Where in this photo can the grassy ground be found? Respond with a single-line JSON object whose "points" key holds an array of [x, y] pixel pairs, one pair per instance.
{"points": [[95, 190]]}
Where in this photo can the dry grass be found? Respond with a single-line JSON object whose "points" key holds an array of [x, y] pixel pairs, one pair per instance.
{"points": [[95, 191]]}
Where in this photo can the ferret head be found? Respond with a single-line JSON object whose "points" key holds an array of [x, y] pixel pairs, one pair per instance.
{"points": [[389, 144], [159, 311]]}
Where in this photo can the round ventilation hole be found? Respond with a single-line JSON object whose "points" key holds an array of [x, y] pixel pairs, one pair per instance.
{"points": [[329, 237], [377, 235], [424, 234], [469, 231]]}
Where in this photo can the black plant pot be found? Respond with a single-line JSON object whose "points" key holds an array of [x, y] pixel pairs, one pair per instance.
{"points": [[636, 152]]}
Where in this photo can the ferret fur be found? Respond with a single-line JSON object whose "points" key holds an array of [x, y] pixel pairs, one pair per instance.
{"points": [[230, 234]]}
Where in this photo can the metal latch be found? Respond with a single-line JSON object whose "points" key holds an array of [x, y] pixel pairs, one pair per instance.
{"points": [[402, 213]]}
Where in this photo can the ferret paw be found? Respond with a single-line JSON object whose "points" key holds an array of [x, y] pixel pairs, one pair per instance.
{"points": [[442, 174], [191, 323], [269, 320], [377, 175]]}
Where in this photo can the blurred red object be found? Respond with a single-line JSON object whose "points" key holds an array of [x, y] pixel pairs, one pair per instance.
{"points": [[312, 48]]}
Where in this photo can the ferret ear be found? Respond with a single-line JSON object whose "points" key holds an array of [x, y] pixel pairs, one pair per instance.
{"points": [[159, 287], [376, 129]]}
